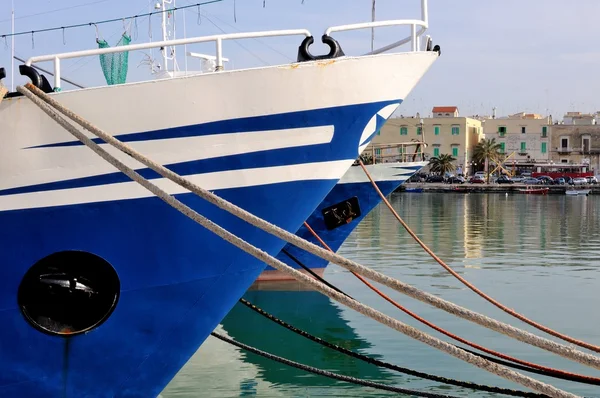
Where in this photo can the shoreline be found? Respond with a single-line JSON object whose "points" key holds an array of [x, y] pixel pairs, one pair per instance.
{"points": [[491, 188]]}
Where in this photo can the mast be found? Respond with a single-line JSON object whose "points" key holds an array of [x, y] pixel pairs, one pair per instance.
{"points": [[168, 33], [12, 47], [372, 29]]}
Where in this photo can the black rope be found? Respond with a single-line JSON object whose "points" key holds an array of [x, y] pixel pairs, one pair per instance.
{"points": [[106, 21], [312, 273], [326, 373], [373, 361]]}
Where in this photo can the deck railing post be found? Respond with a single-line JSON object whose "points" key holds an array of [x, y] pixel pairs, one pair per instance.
{"points": [[219, 54], [56, 73]]}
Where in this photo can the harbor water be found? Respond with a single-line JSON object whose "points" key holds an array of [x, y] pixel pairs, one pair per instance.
{"points": [[536, 254]]}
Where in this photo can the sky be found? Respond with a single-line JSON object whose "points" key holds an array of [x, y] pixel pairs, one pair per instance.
{"points": [[535, 56]]}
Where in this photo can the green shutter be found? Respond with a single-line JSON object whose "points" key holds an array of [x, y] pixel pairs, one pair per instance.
{"points": [[403, 131], [455, 130], [436, 130], [455, 152], [523, 147], [544, 131], [436, 152], [502, 147], [419, 130], [543, 147], [377, 151]]}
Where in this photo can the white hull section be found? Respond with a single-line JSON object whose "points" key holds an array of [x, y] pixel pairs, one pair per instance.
{"points": [[31, 151]]}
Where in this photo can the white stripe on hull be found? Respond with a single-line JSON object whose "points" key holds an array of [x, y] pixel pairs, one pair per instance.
{"points": [[381, 172], [209, 181], [44, 165]]}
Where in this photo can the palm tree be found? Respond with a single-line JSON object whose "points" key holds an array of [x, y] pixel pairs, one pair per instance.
{"points": [[442, 164], [484, 151]]}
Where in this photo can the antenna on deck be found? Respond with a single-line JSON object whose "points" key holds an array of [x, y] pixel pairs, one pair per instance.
{"points": [[372, 29], [12, 47]]}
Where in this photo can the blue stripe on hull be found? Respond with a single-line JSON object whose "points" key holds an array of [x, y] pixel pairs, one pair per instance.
{"points": [[178, 282], [368, 199]]}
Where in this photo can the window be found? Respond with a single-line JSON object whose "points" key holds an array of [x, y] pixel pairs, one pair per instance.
{"points": [[523, 147], [585, 144], [564, 160], [400, 150], [502, 131], [436, 152], [523, 130], [455, 151], [403, 130], [544, 147], [419, 130], [377, 151], [502, 147], [564, 143], [544, 131], [455, 130], [436, 130]]}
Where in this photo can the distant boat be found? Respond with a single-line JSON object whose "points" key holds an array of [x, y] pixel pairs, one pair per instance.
{"points": [[534, 191], [578, 192], [413, 190]]}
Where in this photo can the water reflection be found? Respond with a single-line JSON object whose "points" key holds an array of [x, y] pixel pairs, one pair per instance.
{"points": [[307, 310], [538, 255]]}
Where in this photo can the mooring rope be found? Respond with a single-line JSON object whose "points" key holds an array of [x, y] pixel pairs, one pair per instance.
{"points": [[387, 365], [509, 330], [546, 370], [259, 254], [326, 373], [468, 284]]}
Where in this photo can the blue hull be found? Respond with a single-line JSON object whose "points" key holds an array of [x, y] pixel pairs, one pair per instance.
{"points": [[368, 199], [177, 280]]}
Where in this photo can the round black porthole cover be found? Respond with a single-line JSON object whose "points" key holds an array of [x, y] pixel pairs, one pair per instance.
{"points": [[69, 292]]}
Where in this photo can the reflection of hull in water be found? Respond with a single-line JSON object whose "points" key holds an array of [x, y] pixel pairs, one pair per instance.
{"points": [[310, 311], [354, 188]]}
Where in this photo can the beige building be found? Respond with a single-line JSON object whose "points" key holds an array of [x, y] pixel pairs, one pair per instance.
{"points": [[444, 133], [575, 144], [525, 136]]}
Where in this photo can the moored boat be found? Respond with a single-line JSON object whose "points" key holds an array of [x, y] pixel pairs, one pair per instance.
{"points": [[578, 192], [340, 212], [534, 191], [107, 291]]}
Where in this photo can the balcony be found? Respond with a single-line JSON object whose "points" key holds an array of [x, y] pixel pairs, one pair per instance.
{"points": [[564, 149]]}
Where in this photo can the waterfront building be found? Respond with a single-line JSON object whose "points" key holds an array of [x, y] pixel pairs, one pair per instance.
{"points": [[445, 132], [575, 144], [525, 137]]}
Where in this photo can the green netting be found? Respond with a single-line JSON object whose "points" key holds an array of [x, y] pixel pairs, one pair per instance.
{"points": [[114, 66]]}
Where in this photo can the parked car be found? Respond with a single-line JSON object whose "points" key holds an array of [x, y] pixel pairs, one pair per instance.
{"points": [[530, 181], [545, 180], [592, 180], [477, 179], [560, 181], [455, 180], [504, 180], [435, 178], [580, 181], [517, 179]]}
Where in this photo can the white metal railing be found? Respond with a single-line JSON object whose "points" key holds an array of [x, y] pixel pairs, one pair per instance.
{"points": [[218, 40]]}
